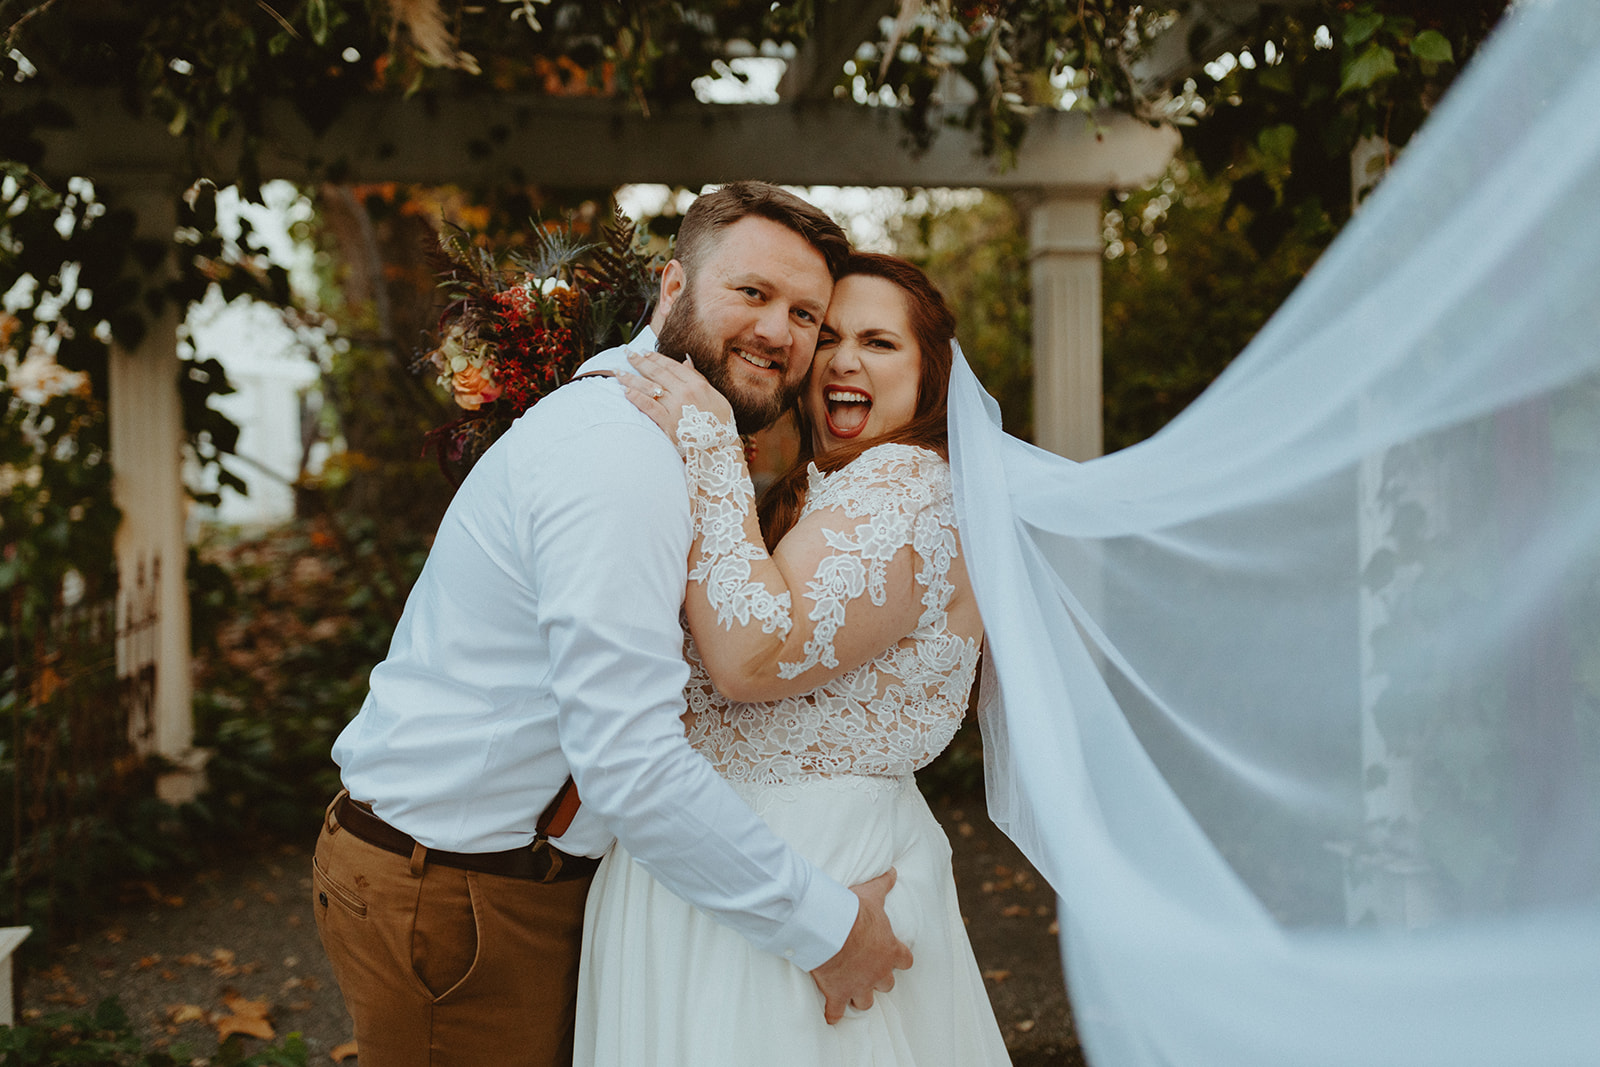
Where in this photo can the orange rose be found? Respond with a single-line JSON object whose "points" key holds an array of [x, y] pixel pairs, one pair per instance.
{"points": [[474, 387]]}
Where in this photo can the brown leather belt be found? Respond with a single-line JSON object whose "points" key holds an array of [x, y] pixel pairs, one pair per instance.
{"points": [[538, 862]]}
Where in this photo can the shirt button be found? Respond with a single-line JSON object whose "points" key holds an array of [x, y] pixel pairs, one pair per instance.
{"points": [[788, 953]]}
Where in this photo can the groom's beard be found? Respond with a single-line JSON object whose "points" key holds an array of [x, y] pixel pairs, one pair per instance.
{"points": [[754, 408]]}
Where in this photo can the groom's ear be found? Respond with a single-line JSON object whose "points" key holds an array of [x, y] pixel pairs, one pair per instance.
{"points": [[673, 282]]}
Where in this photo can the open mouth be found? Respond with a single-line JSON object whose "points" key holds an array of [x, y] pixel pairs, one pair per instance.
{"points": [[847, 410]]}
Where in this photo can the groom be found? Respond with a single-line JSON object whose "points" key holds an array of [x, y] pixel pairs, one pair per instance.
{"points": [[542, 640]]}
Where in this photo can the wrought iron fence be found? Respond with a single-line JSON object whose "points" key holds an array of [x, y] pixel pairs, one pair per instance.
{"points": [[79, 689]]}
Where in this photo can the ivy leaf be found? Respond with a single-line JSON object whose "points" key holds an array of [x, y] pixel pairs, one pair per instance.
{"points": [[1367, 69], [1277, 142], [1432, 47], [1359, 27]]}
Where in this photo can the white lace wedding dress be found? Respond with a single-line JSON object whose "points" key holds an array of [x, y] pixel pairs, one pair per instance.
{"points": [[830, 771]]}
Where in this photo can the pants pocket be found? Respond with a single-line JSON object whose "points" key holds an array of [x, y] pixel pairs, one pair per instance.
{"points": [[444, 940], [330, 891]]}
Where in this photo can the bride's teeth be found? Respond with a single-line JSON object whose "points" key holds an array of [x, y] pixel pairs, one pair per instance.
{"points": [[846, 398]]}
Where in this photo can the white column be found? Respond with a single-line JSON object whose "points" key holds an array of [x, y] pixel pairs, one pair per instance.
{"points": [[147, 459], [1065, 253]]}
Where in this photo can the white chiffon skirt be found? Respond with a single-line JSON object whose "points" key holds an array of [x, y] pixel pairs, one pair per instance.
{"points": [[661, 984]]}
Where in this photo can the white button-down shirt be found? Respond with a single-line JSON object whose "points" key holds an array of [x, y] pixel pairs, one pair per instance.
{"points": [[543, 635]]}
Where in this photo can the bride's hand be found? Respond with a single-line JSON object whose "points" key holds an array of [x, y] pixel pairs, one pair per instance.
{"points": [[663, 388]]}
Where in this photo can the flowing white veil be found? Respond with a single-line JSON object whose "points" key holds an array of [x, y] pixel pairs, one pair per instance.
{"points": [[1297, 704]]}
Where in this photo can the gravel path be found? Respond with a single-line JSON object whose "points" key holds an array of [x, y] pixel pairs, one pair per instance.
{"points": [[235, 947]]}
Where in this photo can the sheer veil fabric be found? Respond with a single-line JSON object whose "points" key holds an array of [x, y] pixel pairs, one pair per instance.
{"points": [[1297, 704]]}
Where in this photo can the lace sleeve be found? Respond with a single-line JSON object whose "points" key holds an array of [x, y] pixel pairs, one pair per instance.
{"points": [[852, 560], [720, 495]]}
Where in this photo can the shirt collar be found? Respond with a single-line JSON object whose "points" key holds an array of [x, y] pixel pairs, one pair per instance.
{"points": [[616, 359]]}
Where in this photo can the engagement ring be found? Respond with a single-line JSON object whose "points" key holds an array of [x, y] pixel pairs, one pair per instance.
{"points": [[658, 392]]}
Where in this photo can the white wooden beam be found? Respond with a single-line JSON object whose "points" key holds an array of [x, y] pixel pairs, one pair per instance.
{"points": [[536, 140]]}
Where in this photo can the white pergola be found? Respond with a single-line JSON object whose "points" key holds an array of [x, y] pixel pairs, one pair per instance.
{"points": [[1061, 174]]}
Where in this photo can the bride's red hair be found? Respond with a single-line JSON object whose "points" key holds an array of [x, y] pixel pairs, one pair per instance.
{"points": [[933, 325]]}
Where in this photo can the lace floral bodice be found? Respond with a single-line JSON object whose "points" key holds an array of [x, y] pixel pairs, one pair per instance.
{"points": [[888, 716]]}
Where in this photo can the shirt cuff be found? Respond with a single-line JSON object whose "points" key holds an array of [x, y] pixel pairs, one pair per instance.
{"points": [[820, 925]]}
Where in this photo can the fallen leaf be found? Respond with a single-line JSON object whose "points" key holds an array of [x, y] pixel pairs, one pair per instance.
{"points": [[1054, 928], [965, 829], [343, 1052], [239, 1004], [1024, 1026], [186, 1013], [147, 962], [291, 962], [174, 901], [249, 1025], [270, 897], [191, 959], [1014, 911], [997, 975], [293, 920], [249, 1018], [1041, 911], [116, 935]]}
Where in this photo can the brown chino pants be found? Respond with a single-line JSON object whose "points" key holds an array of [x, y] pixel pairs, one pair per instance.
{"points": [[445, 967]]}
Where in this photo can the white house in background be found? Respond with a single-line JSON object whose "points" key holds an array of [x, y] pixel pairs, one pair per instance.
{"points": [[271, 373], [267, 363]]}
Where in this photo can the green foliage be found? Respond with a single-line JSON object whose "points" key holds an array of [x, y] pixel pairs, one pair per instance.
{"points": [[1333, 74], [1017, 55], [72, 792], [105, 1038], [1184, 292], [314, 606], [978, 257]]}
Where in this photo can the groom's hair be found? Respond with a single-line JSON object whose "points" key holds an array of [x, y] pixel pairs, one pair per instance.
{"points": [[713, 212]]}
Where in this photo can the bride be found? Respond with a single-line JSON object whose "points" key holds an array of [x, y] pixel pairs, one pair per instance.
{"points": [[822, 675]]}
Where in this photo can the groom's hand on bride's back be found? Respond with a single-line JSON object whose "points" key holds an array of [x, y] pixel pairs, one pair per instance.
{"points": [[869, 958]]}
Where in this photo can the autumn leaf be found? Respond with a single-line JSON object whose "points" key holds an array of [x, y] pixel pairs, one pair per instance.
{"points": [[249, 1018], [997, 976], [186, 1013], [343, 1052]]}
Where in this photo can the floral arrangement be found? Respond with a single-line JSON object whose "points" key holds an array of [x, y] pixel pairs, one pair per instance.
{"points": [[518, 325]]}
